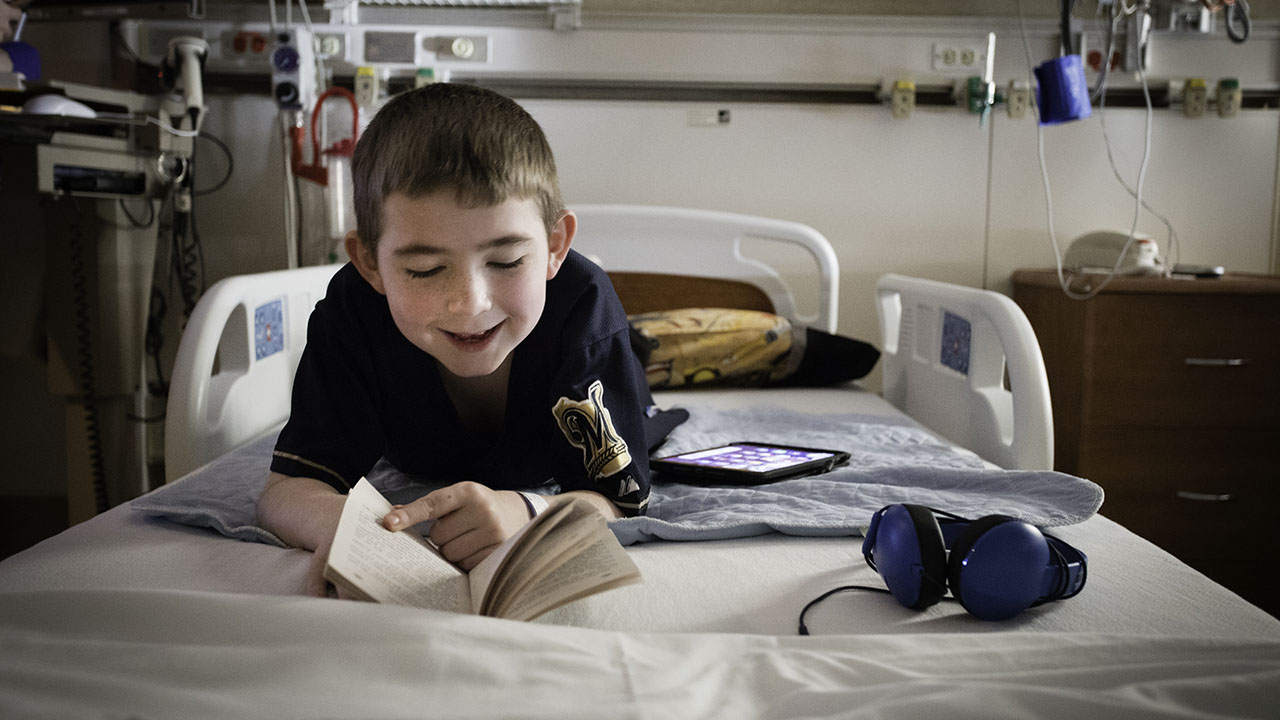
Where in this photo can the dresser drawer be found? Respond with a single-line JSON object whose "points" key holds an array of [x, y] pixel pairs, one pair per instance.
{"points": [[1197, 460], [1193, 529], [1198, 494], [1184, 361]]}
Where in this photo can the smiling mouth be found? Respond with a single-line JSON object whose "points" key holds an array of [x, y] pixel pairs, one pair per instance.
{"points": [[473, 338]]}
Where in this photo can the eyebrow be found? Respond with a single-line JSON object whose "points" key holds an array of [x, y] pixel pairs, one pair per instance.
{"points": [[424, 249]]}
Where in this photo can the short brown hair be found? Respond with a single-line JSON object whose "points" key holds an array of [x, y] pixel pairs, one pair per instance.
{"points": [[447, 135]]}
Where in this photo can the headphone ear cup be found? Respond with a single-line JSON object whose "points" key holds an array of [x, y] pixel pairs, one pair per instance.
{"points": [[910, 555], [996, 567]]}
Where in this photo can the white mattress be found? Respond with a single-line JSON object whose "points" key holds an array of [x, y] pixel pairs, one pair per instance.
{"points": [[105, 653], [746, 585], [126, 615]]}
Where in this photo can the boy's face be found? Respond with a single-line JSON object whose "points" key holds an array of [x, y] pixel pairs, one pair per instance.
{"points": [[464, 284]]}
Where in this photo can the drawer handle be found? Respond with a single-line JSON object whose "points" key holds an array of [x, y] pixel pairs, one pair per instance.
{"points": [[1205, 497], [1217, 362]]}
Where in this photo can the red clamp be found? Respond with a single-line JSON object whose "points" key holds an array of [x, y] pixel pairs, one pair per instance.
{"points": [[316, 172]]}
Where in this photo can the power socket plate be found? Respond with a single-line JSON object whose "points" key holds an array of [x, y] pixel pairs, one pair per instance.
{"points": [[1195, 98], [1017, 99], [1228, 101], [902, 99], [959, 58]]}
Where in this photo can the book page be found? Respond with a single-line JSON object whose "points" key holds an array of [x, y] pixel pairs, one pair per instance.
{"points": [[528, 552], [482, 576], [563, 555], [603, 565], [570, 529], [400, 568]]}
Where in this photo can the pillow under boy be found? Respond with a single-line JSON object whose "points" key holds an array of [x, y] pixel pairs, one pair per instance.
{"points": [[698, 346]]}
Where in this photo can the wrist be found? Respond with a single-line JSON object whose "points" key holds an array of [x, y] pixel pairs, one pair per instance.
{"points": [[533, 502]]}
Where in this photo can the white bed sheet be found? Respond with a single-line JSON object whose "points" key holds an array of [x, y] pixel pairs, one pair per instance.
{"points": [[749, 585], [152, 654], [131, 616]]}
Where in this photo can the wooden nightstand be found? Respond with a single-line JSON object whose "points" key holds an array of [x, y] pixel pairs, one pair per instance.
{"points": [[1166, 392]]}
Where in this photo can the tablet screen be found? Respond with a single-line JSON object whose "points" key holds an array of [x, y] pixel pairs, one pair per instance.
{"points": [[748, 463], [750, 457]]}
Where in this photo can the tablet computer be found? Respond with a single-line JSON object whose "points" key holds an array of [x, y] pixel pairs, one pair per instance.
{"points": [[746, 463]]}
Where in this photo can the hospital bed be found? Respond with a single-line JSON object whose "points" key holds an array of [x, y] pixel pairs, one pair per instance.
{"points": [[175, 604]]}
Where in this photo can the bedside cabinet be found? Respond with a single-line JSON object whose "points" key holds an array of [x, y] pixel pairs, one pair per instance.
{"points": [[1166, 392]]}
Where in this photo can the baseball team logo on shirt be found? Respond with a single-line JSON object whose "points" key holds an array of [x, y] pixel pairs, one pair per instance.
{"points": [[587, 424]]}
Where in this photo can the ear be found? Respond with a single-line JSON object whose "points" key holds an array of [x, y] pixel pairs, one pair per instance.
{"points": [[559, 242], [365, 260]]}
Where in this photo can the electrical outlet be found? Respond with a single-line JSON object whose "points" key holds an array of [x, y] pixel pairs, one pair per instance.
{"points": [[243, 45], [293, 69], [426, 76], [902, 99], [1195, 97], [367, 86], [959, 58], [331, 46], [707, 117], [452, 48], [1228, 97], [1017, 99]]}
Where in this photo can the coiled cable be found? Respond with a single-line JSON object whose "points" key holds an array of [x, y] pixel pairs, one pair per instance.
{"points": [[1238, 13], [85, 355]]}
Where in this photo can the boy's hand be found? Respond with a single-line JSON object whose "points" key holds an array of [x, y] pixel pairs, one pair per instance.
{"points": [[470, 520], [316, 585]]}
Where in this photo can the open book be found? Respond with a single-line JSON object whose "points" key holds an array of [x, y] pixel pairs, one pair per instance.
{"points": [[564, 554]]}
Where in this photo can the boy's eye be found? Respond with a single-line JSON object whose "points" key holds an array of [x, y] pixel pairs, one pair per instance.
{"points": [[507, 265], [421, 274]]}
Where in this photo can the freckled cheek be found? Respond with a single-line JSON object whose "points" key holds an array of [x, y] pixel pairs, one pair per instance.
{"points": [[525, 301], [412, 312]]}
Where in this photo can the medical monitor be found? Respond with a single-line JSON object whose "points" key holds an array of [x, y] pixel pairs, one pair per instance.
{"points": [[51, 10]]}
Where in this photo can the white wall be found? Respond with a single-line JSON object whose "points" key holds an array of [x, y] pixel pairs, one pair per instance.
{"points": [[887, 194], [935, 195]]}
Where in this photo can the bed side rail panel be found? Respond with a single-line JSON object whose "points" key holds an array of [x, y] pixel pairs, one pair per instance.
{"points": [[946, 349], [233, 377], [708, 243]]}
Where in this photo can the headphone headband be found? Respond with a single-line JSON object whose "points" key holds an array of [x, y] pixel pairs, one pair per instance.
{"points": [[996, 566]]}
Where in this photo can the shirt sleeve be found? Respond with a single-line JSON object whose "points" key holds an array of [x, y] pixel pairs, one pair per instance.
{"points": [[333, 433], [599, 401]]}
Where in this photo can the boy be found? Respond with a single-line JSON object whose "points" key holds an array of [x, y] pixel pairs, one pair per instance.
{"points": [[465, 342]]}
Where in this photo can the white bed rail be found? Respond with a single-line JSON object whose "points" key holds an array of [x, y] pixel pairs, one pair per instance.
{"points": [[234, 372], [681, 241], [946, 349]]}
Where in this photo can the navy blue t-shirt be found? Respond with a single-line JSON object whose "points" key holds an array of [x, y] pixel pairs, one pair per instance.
{"points": [[577, 400]]}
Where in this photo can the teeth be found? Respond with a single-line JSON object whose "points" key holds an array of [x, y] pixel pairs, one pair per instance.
{"points": [[472, 337]]}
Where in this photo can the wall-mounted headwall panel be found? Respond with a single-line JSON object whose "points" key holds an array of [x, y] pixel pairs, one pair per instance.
{"points": [[736, 49], [936, 195]]}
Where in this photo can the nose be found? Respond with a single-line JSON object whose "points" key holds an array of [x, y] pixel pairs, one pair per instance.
{"points": [[468, 294]]}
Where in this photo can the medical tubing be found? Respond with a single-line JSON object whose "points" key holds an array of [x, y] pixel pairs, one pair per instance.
{"points": [[1104, 72], [1065, 22], [231, 165], [151, 218], [1137, 210], [188, 255], [1048, 195], [83, 325], [1238, 11], [306, 15], [1174, 250]]}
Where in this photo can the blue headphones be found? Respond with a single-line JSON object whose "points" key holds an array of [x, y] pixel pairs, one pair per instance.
{"points": [[995, 566]]}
